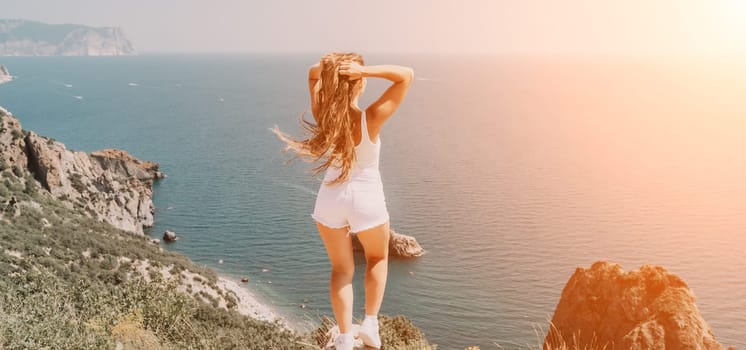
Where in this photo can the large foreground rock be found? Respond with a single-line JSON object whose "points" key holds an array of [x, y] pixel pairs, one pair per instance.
{"points": [[110, 184], [647, 309]]}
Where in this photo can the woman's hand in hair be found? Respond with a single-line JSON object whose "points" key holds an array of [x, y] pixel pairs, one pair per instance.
{"points": [[351, 69]]}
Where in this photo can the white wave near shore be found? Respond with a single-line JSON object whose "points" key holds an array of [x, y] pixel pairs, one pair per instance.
{"points": [[249, 304]]}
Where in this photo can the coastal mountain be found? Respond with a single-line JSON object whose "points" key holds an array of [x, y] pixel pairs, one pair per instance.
{"points": [[30, 38]]}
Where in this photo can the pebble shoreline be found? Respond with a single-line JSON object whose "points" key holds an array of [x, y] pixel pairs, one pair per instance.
{"points": [[249, 304]]}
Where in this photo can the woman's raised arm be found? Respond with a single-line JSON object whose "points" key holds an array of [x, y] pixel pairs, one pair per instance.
{"points": [[397, 74], [389, 102]]}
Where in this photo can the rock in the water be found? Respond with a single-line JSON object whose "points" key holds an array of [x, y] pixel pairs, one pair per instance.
{"points": [[169, 236], [647, 309], [5, 75], [403, 246], [400, 246]]}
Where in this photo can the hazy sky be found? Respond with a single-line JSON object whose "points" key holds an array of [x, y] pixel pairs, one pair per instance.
{"points": [[566, 26]]}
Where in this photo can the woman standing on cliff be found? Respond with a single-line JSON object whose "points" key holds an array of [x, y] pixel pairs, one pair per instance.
{"points": [[350, 199]]}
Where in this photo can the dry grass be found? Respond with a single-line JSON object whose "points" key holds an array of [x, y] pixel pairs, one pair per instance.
{"points": [[131, 332]]}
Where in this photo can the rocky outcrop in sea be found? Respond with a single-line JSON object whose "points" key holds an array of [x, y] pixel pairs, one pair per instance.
{"points": [[110, 185], [400, 246], [31, 38], [606, 307], [5, 75]]}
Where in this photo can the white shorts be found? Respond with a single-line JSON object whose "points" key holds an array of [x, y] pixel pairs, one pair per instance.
{"points": [[359, 204]]}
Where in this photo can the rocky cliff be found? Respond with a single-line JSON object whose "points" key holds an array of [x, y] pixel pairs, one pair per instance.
{"points": [[605, 307], [110, 185], [31, 38]]}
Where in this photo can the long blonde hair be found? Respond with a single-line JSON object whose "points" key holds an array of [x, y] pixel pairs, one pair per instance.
{"points": [[332, 136]]}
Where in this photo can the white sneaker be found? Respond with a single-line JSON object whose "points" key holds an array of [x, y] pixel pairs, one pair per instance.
{"points": [[368, 333], [344, 343]]}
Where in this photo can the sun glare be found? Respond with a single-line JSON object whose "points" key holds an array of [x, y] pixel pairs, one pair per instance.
{"points": [[731, 22]]}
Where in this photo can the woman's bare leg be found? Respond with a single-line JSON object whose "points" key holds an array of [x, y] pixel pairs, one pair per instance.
{"points": [[375, 241], [338, 244]]}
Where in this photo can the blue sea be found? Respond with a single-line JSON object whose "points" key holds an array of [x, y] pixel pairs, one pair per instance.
{"points": [[511, 171]]}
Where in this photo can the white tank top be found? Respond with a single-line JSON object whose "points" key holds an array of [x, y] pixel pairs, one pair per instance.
{"points": [[367, 157]]}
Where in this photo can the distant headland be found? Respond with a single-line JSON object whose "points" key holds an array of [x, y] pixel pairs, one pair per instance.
{"points": [[20, 37]]}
